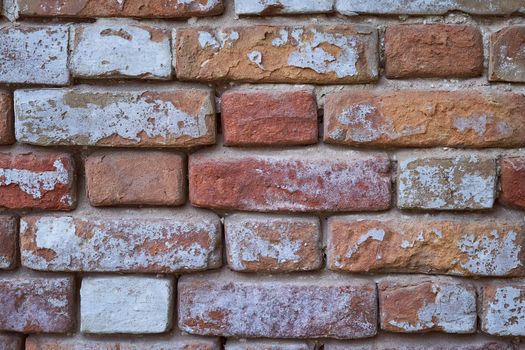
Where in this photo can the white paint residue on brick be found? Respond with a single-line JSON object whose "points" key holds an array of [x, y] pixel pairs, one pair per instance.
{"points": [[256, 57], [58, 234], [257, 7], [282, 39], [210, 4], [479, 123], [34, 183], [217, 40], [374, 234], [505, 315]]}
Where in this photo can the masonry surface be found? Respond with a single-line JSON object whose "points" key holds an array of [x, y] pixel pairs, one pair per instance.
{"points": [[262, 175]]}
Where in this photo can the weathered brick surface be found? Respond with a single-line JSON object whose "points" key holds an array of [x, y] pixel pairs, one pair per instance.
{"points": [[273, 118], [437, 50], [42, 180], [507, 59], [315, 179], [466, 248], [8, 242], [307, 306], [425, 119], [37, 304], [34, 54], [450, 181], [502, 308], [133, 305], [513, 181], [167, 117], [432, 7], [133, 178], [313, 54], [273, 243], [116, 8], [412, 305], [120, 49], [185, 241], [277, 344], [282, 7], [7, 128], [11, 342]]}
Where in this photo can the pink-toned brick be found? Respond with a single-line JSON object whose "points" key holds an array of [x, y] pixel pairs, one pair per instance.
{"points": [[7, 127], [512, 181], [8, 242], [11, 341]]}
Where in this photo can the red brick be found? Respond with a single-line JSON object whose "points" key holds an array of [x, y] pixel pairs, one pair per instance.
{"points": [[8, 242], [259, 118], [128, 8], [425, 119], [42, 180], [513, 182], [415, 305], [315, 306], [436, 50], [502, 308], [507, 60], [314, 179], [37, 304], [7, 126], [418, 245], [11, 342], [133, 178]]}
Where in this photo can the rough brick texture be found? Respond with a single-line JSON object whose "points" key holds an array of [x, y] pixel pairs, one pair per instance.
{"points": [[8, 242], [513, 181], [261, 118], [282, 7], [7, 128], [150, 178], [425, 119], [187, 241], [278, 54], [502, 308], [278, 344], [11, 342], [507, 60], [232, 305], [37, 304], [294, 181], [438, 50], [37, 180]]}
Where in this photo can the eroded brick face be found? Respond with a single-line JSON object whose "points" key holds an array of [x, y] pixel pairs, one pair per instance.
{"points": [[8, 242], [11, 342], [7, 127], [502, 308], [513, 181], [507, 59]]}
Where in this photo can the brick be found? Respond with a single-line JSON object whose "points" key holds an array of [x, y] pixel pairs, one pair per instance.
{"points": [[309, 179], [268, 344], [11, 342], [513, 182], [136, 305], [282, 7], [7, 128], [287, 54], [41, 180], [414, 305], [429, 7], [273, 243], [185, 241], [37, 304], [425, 119], [34, 54], [8, 242], [253, 306], [447, 181], [168, 117], [116, 8], [133, 178], [417, 245], [262, 118], [110, 343], [502, 308], [120, 49], [507, 60], [431, 51]]}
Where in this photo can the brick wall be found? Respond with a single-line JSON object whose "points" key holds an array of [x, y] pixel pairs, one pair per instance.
{"points": [[262, 174]]}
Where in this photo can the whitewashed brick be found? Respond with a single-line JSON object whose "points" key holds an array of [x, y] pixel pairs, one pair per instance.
{"points": [[136, 305], [275, 7], [268, 344]]}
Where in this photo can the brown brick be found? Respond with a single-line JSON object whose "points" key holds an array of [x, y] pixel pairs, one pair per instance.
{"points": [[502, 308], [273, 243], [467, 248], [42, 180], [185, 241], [414, 305], [259, 118], [7, 127], [37, 304], [288, 54], [315, 306], [436, 50], [8, 242], [425, 119], [309, 179], [11, 341], [513, 181], [133, 178], [507, 59], [128, 8]]}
